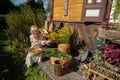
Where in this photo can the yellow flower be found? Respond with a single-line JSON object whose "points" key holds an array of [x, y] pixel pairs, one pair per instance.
{"points": [[61, 35]]}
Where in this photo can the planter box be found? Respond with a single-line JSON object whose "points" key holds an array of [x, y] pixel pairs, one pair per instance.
{"points": [[103, 72], [109, 34]]}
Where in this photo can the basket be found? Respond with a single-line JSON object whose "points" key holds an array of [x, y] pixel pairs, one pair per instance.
{"points": [[35, 51], [65, 48]]}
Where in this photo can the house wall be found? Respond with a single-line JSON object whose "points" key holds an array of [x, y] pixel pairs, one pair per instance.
{"points": [[74, 10]]}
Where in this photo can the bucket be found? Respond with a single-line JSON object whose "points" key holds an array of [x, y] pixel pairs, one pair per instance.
{"points": [[58, 67]]}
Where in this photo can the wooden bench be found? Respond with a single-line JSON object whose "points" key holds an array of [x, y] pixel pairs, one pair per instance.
{"points": [[72, 73]]}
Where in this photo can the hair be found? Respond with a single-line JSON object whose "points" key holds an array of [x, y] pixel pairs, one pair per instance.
{"points": [[33, 27], [49, 16]]}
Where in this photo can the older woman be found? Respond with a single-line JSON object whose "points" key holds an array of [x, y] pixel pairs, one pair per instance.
{"points": [[49, 26]]}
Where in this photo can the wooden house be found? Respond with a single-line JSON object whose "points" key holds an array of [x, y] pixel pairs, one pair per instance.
{"points": [[84, 16]]}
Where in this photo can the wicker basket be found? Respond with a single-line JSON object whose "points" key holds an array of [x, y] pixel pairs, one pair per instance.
{"points": [[65, 48], [35, 51]]}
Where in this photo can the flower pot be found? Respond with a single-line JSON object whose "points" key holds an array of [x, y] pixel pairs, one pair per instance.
{"points": [[53, 59], [67, 63], [65, 48]]}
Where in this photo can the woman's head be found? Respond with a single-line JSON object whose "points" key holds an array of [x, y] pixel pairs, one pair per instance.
{"points": [[49, 17], [34, 30]]}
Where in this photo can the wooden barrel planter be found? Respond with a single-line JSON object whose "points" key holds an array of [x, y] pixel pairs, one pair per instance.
{"points": [[65, 48], [66, 63], [58, 67]]}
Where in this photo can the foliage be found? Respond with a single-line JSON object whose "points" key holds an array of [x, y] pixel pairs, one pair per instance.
{"points": [[2, 23], [48, 7], [55, 53], [36, 4], [33, 73], [111, 54], [61, 35], [116, 12], [98, 58], [19, 23], [5, 6]]}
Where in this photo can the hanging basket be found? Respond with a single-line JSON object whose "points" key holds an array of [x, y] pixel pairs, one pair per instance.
{"points": [[65, 48]]}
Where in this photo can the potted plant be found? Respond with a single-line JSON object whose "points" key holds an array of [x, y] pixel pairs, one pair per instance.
{"points": [[62, 38], [57, 55], [111, 56]]}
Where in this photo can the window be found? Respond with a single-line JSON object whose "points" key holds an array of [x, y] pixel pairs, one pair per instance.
{"points": [[89, 1], [98, 1], [94, 12], [65, 7]]}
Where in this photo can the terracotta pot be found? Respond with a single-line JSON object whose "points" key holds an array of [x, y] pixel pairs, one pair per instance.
{"points": [[67, 63], [65, 48], [53, 59]]}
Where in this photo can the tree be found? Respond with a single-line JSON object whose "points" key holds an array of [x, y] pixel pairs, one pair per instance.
{"points": [[5, 6], [48, 7], [38, 4], [116, 12]]}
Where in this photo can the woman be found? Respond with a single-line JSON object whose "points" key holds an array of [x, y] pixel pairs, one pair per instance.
{"points": [[49, 26], [37, 41]]}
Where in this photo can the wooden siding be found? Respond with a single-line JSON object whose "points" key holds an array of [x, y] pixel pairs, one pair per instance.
{"points": [[74, 10]]}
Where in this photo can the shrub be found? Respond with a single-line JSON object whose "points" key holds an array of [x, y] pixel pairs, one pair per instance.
{"points": [[19, 23], [61, 35]]}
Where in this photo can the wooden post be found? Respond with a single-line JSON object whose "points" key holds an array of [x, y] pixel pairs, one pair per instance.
{"points": [[51, 7]]}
